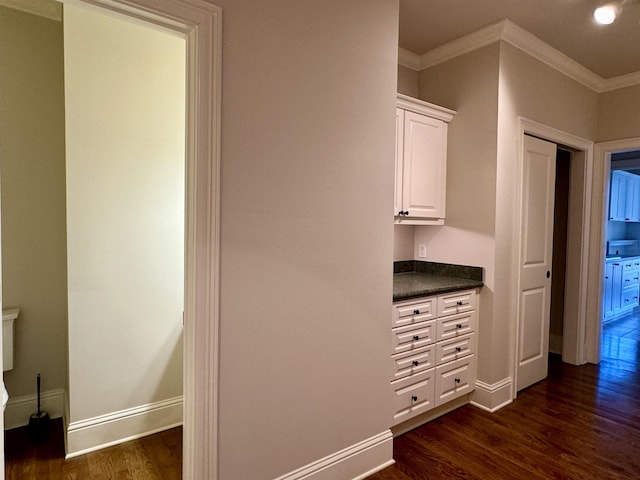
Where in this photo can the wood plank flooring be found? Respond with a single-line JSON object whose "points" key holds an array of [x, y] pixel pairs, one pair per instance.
{"points": [[580, 423], [155, 457]]}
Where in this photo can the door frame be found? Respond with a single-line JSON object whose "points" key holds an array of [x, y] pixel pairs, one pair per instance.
{"points": [[597, 254], [200, 23], [574, 348]]}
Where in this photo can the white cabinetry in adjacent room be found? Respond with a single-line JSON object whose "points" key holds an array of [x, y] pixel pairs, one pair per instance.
{"points": [[621, 287], [433, 352], [421, 162], [624, 197]]}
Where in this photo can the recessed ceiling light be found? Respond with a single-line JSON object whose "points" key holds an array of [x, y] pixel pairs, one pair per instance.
{"points": [[605, 15]]}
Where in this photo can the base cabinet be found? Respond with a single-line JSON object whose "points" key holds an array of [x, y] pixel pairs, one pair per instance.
{"points": [[433, 352], [621, 287]]}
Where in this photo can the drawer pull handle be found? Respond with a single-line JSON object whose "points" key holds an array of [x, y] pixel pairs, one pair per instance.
{"points": [[416, 363], [627, 280], [458, 349], [416, 337], [414, 398], [457, 380], [459, 303], [459, 326], [416, 312]]}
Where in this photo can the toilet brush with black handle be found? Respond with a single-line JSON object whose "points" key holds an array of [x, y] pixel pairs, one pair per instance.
{"points": [[39, 422]]}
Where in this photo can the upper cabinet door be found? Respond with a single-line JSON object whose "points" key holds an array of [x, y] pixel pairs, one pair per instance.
{"points": [[397, 203], [424, 175]]}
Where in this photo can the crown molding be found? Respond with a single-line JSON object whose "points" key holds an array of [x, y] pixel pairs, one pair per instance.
{"points": [[409, 59], [473, 41], [42, 8], [507, 31]]}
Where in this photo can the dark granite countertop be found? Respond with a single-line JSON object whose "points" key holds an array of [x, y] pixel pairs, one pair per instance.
{"points": [[412, 278]]}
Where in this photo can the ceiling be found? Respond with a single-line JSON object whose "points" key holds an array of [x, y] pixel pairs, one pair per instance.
{"points": [[567, 25]]}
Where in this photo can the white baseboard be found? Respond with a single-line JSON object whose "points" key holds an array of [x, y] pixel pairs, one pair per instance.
{"points": [[19, 409], [92, 434], [555, 344], [355, 462], [492, 397]]}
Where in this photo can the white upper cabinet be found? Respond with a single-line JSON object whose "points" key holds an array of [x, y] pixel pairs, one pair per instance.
{"points": [[421, 162], [624, 198]]}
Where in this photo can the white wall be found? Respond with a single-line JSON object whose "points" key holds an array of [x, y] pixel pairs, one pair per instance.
{"points": [[308, 115], [125, 90], [32, 152]]}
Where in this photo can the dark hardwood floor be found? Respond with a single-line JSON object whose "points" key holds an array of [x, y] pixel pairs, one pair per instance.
{"points": [[580, 423], [155, 457]]}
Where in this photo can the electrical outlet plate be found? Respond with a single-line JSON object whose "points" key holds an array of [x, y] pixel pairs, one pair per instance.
{"points": [[422, 250]]}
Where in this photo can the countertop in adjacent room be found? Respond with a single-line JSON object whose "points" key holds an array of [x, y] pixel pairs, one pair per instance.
{"points": [[413, 278]]}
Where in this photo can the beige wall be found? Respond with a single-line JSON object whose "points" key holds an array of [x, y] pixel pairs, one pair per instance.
{"points": [[469, 85], [538, 92], [403, 236], [306, 233], [33, 199], [408, 81], [618, 114], [125, 121]]}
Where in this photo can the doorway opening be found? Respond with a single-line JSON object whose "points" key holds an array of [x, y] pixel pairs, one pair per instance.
{"points": [[570, 302], [200, 24], [620, 317]]}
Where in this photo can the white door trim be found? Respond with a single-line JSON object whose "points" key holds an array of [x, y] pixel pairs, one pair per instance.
{"points": [[531, 127], [599, 200], [201, 24]]}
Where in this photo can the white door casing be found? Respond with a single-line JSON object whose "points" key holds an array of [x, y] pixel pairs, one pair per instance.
{"points": [[536, 249]]}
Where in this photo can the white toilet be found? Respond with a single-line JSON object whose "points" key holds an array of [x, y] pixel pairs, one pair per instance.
{"points": [[8, 318]]}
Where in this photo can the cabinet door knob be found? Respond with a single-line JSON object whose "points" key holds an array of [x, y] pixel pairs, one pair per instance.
{"points": [[548, 273], [414, 398], [458, 349], [416, 312], [459, 326], [416, 363], [457, 380], [606, 278], [416, 337], [459, 303]]}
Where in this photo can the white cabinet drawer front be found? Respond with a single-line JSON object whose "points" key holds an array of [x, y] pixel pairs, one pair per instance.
{"points": [[454, 379], [413, 362], [457, 302], [455, 326], [630, 265], [413, 336], [455, 349], [407, 314], [630, 278], [413, 395], [630, 298]]}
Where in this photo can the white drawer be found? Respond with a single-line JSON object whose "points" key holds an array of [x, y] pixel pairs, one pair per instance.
{"points": [[454, 349], [415, 312], [413, 336], [454, 326], [454, 379], [456, 302], [413, 395], [415, 361]]}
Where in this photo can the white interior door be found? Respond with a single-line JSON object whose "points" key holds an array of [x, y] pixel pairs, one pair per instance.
{"points": [[536, 248]]}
